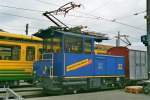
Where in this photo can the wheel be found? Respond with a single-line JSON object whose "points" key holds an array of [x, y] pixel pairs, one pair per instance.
{"points": [[75, 91], [16, 83], [146, 91]]}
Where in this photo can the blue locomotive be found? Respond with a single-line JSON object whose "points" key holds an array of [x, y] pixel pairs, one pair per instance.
{"points": [[69, 63]]}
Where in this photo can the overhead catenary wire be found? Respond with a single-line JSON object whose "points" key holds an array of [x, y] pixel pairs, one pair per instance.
{"points": [[134, 14], [18, 27], [95, 9], [47, 3], [113, 20], [32, 18], [39, 11], [18, 8], [138, 28], [99, 7], [110, 20], [93, 16], [121, 23], [25, 17], [98, 18]]}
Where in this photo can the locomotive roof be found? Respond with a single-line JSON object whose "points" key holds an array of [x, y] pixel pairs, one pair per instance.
{"points": [[47, 34]]}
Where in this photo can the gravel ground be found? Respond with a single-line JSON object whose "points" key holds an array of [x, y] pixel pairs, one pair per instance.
{"points": [[102, 95]]}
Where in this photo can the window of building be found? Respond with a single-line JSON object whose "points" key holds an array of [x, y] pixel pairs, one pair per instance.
{"points": [[9, 52], [30, 53]]}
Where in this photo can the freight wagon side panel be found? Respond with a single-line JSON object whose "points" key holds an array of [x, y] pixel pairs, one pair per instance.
{"points": [[138, 65], [144, 65]]}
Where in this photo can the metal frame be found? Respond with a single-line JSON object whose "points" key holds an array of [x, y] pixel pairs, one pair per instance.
{"points": [[148, 35], [64, 10], [10, 93]]}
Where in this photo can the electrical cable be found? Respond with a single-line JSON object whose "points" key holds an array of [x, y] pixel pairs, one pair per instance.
{"points": [[134, 14], [4, 13], [47, 3], [96, 17], [21, 8]]}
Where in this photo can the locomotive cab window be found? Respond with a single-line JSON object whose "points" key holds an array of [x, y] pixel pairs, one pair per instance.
{"points": [[87, 45], [52, 45], [30, 53], [73, 44], [9, 52]]}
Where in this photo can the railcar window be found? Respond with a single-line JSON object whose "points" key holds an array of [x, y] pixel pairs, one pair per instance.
{"points": [[9, 52], [30, 53], [87, 45], [73, 44]]}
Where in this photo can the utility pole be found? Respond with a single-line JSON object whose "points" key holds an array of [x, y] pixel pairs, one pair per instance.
{"points": [[27, 29], [123, 38], [118, 40], [148, 36]]}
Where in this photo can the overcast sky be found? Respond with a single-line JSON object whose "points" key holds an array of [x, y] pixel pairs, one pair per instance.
{"points": [[128, 12]]}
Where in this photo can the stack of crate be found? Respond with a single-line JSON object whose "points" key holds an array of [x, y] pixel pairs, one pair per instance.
{"points": [[134, 89]]}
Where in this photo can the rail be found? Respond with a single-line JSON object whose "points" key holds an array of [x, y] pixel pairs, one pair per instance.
{"points": [[10, 94]]}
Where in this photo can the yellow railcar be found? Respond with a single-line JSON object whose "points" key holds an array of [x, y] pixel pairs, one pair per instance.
{"points": [[102, 49], [17, 53]]}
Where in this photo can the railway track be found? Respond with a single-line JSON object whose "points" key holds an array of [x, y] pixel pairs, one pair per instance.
{"points": [[30, 91]]}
